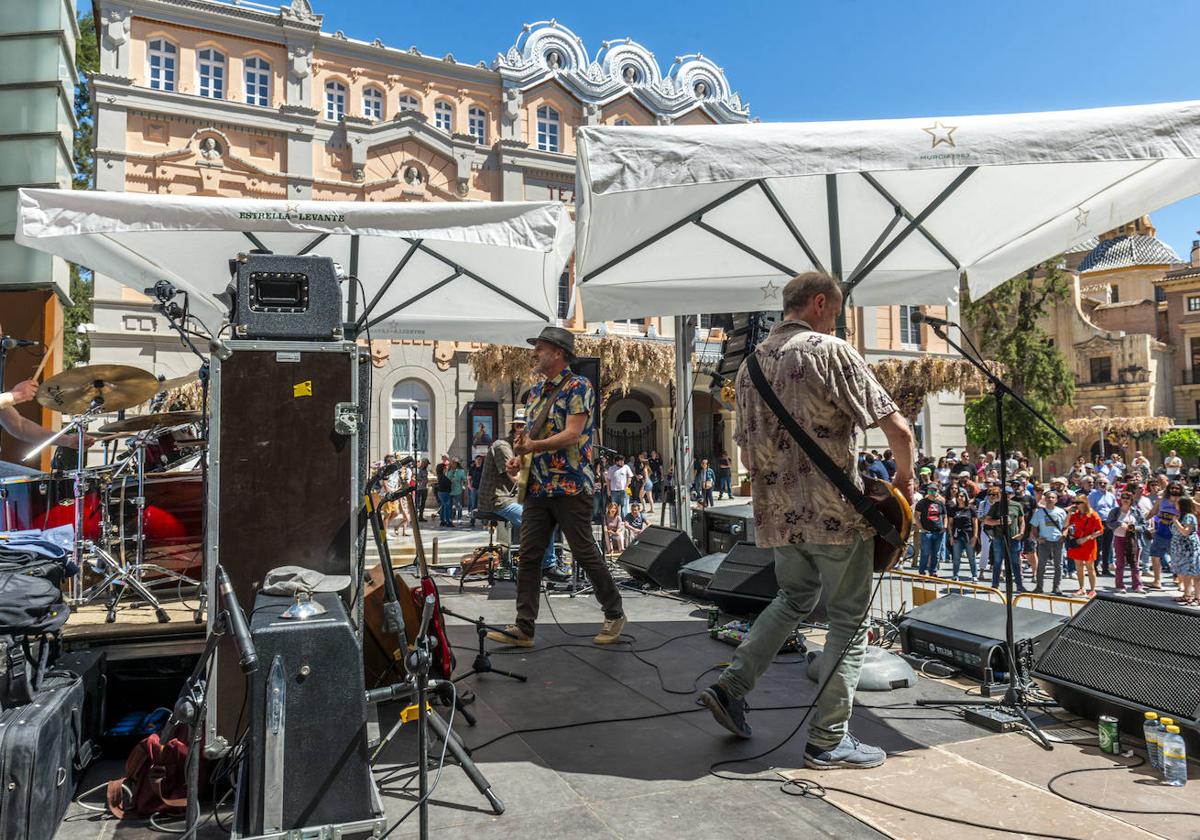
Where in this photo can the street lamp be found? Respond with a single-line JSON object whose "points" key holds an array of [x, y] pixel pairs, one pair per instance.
{"points": [[1100, 411]]}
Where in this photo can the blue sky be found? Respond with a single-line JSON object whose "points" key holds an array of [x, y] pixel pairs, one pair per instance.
{"points": [[803, 60]]}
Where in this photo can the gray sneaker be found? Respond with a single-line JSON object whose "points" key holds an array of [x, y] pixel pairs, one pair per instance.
{"points": [[850, 753], [730, 712]]}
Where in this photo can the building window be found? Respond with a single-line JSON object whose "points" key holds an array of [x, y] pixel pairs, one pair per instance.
{"points": [[564, 294], [258, 82], [1101, 369], [162, 64], [622, 121], [910, 333], [373, 103], [1114, 293], [408, 102], [547, 129], [443, 117], [477, 125], [335, 101], [211, 65], [410, 419], [1193, 303]]}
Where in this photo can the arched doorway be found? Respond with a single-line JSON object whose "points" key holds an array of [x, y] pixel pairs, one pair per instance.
{"points": [[629, 425], [411, 411], [1106, 451]]}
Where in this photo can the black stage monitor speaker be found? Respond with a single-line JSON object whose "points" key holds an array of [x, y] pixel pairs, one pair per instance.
{"points": [[745, 583], [1124, 657], [280, 296], [306, 761], [968, 633], [695, 577], [657, 556]]}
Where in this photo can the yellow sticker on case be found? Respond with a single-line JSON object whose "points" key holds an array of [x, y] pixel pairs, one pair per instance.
{"points": [[302, 389]]}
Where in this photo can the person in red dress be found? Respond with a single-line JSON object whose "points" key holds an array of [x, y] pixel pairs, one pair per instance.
{"points": [[1084, 529]]}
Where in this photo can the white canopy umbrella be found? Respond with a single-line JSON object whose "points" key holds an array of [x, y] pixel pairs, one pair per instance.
{"points": [[684, 219], [475, 271]]}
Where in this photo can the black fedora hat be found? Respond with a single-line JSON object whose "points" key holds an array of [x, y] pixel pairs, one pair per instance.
{"points": [[559, 337]]}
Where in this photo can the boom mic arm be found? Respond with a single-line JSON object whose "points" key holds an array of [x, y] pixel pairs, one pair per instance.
{"points": [[918, 317]]}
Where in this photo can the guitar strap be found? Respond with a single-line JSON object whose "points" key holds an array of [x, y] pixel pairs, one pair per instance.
{"points": [[859, 500]]}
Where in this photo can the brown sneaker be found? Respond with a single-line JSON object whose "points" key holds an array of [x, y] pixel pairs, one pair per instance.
{"points": [[610, 633], [512, 636]]}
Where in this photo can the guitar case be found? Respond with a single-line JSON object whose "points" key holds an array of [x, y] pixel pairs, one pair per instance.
{"points": [[39, 749]]}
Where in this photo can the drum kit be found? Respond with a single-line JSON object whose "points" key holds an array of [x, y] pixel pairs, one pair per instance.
{"points": [[137, 517]]}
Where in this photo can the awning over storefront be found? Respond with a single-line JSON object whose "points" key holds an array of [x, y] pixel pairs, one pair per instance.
{"points": [[471, 271], [685, 219]]}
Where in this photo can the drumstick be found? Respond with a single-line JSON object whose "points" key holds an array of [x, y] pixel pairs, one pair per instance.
{"points": [[49, 351]]}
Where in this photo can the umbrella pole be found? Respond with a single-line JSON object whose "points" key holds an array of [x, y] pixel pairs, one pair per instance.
{"points": [[682, 444]]}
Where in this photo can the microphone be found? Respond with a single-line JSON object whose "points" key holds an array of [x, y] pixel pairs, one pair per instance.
{"points": [[918, 316], [235, 619], [8, 342], [219, 349]]}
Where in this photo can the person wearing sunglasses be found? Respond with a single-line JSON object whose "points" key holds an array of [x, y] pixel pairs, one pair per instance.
{"points": [[1127, 523], [1000, 546], [1084, 529], [1163, 514]]}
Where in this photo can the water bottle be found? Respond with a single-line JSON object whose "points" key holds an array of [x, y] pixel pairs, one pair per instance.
{"points": [[1174, 756], [1152, 732]]}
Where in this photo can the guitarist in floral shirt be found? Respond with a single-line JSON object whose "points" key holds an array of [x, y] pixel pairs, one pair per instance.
{"points": [[560, 489]]}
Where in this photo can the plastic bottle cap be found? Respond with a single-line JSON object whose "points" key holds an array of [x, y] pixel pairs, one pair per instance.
{"points": [[1166, 721], [1174, 730], [1151, 715]]}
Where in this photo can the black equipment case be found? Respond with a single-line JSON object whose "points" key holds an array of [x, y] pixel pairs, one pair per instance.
{"points": [[39, 751]]}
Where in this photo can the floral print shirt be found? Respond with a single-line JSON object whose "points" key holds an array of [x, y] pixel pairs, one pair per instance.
{"points": [[562, 472], [832, 394]]}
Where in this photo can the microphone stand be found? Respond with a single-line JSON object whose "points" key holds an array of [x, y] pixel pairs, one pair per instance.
{"points": [[1016, 695]]}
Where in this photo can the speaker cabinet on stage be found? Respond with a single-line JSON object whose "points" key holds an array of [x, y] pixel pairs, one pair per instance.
{"points": [[1123, 657], [695, 577], [657, 556], [968, 633], [724, 527], [306, 760], [745, 582], [283, 482]]}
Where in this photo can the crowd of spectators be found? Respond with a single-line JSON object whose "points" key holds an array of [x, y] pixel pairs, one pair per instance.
{"points": [[1132, 521]]}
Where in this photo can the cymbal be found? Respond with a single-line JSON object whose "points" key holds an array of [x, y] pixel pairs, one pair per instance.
{"points": [[141, 422], [117, 386], [178, 382]]}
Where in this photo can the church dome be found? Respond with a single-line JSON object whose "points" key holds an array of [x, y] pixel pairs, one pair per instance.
{"points": [[1127, 252]]}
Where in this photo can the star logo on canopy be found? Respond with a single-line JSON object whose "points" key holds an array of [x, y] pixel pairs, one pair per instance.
{"points": [[1081, 218], [770, 291], [292, 210], [941, 134]]}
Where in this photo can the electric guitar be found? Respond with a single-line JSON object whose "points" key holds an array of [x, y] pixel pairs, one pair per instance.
{"points": [[533, 433], [443, 654]]}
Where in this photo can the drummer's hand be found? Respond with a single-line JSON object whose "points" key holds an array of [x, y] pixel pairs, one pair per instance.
{"points": [[25, 391]]}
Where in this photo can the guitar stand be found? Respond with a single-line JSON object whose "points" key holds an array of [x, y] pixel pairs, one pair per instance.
{"points": [[483, 660]]}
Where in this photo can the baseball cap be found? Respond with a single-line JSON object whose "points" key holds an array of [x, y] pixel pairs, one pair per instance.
{"points": [[288, 580]]}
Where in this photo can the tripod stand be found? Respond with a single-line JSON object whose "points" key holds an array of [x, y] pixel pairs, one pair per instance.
{"points": [[483, 660], [1017, 695]]}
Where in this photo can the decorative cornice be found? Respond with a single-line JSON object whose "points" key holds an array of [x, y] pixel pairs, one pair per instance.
{"points": [[548, 50]]}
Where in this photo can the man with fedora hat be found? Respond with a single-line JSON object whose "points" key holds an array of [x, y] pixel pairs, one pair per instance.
{"points": [[498, 490], [561, 487]]}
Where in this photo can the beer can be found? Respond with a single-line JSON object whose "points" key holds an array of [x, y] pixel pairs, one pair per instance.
{"points": [[714, 617], [1110, 735]]}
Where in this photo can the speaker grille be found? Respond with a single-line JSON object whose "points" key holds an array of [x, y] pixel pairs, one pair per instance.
{"points": [[1146, 655]]}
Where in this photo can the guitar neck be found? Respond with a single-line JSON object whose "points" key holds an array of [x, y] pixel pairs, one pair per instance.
{"points": [[418, 542]]}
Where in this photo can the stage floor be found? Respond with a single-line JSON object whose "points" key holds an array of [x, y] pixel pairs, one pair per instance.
{"points": [[650, 779]]}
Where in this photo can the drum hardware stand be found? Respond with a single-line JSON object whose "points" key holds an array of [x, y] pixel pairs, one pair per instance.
{"points": [[1017, 696], [483, 660]]}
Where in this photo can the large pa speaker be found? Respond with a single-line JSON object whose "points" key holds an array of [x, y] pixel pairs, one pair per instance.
{"points": [[695, 577], [968, 633], [657, 556], [745, 582], [1123, 657]]}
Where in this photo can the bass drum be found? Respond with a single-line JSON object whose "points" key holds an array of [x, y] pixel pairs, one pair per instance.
{"points": [[171, 523], [45, 501]]}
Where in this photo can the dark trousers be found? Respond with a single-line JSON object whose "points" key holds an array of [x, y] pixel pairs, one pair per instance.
{"points": [[573, 515], [1106, 552], [422, 496]]}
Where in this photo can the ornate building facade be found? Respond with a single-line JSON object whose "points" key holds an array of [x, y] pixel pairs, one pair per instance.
{"points": [[209, 97]]}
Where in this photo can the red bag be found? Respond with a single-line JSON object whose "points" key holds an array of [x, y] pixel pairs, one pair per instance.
{"points": [[155, 779]]}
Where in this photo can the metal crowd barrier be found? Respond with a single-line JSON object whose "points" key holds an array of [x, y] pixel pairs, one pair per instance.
{"points": [[1055, 604], [902, 591]]}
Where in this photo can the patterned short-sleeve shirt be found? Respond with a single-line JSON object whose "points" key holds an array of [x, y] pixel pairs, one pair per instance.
{"points": [[832, 394], [563, 472]]}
